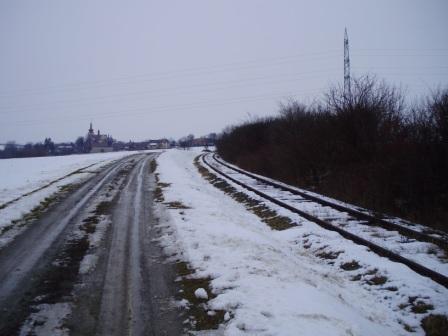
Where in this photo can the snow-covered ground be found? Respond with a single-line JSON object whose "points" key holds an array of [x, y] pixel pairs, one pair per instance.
{"points": [[272, 282], [424, 253], [392, 219], [24, 183]]}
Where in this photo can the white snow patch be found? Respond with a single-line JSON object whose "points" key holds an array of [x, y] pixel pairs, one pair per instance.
{"points": [[100, 230], [47, 321], [200, 293], [88, 263]]}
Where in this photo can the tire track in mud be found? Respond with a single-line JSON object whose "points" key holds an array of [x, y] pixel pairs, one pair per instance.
{"points": [[119, 308], [137, 283]]}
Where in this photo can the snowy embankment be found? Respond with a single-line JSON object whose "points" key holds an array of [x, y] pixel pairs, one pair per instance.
{"points": [[424, 253], [25, 183], [273, 282]]}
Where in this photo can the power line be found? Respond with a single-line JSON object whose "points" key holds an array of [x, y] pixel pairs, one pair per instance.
{"points": [[399, 55], [403, 49], [171, 91], [182, 72], [228, 66], [164, 108], [403, 67]]}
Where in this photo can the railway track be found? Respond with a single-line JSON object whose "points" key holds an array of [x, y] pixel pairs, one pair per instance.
{"points": [[397, 242]]}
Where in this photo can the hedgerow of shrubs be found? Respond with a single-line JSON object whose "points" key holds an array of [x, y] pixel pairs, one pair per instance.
{"points": [[368, 147]]}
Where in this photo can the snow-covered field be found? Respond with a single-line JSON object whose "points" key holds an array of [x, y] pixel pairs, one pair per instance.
{"points": [[24, 183], [272, 282]]}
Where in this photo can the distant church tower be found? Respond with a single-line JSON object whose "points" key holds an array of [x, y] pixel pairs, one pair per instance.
{"points": [[91, 129]]}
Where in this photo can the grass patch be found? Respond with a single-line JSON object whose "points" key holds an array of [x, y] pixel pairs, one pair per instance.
{"points": [[89, 224], [198, 312], [331, 255], [435, 325], [372, 271], [164, 185], [268, 216], [103, 208], [391, 289], [68, 187], [408, 328], [158, 191], [176, 205], [377, 280], [61, 276], [417, 306], [152, 166], [279, 223], [420, 307], [350, 266]]}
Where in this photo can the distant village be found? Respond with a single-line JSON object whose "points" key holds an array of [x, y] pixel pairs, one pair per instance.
{"points": [[97, 142]]}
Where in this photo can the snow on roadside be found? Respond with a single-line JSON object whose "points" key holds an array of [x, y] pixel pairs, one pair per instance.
{"points": [[22, 178], [47, 320], [269, 283]]}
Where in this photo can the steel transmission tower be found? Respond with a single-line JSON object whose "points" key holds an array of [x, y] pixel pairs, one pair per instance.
{"points": [[347, 90]]}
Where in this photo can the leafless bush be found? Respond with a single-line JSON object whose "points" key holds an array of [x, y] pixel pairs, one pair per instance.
{"points": [[368, 148]]}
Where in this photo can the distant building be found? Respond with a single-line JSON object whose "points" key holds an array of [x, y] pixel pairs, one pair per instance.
{"points": [[159, 144], [64, 148], [203, 141], [99, 143]]}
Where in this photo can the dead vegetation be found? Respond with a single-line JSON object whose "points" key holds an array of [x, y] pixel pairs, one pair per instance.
{"points": [[176, 205], [200, 316], [377, 280], [341, 147], [268, 216], [350, 266], [152, 166], [158, 191], [435, 325], [417, 305], [330, 255], [371, 277]]}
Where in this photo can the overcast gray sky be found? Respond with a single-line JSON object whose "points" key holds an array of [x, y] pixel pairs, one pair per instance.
{"points": [[150, 69]]}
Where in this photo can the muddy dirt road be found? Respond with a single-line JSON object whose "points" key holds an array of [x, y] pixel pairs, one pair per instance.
{"points": [[90, 265]]}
